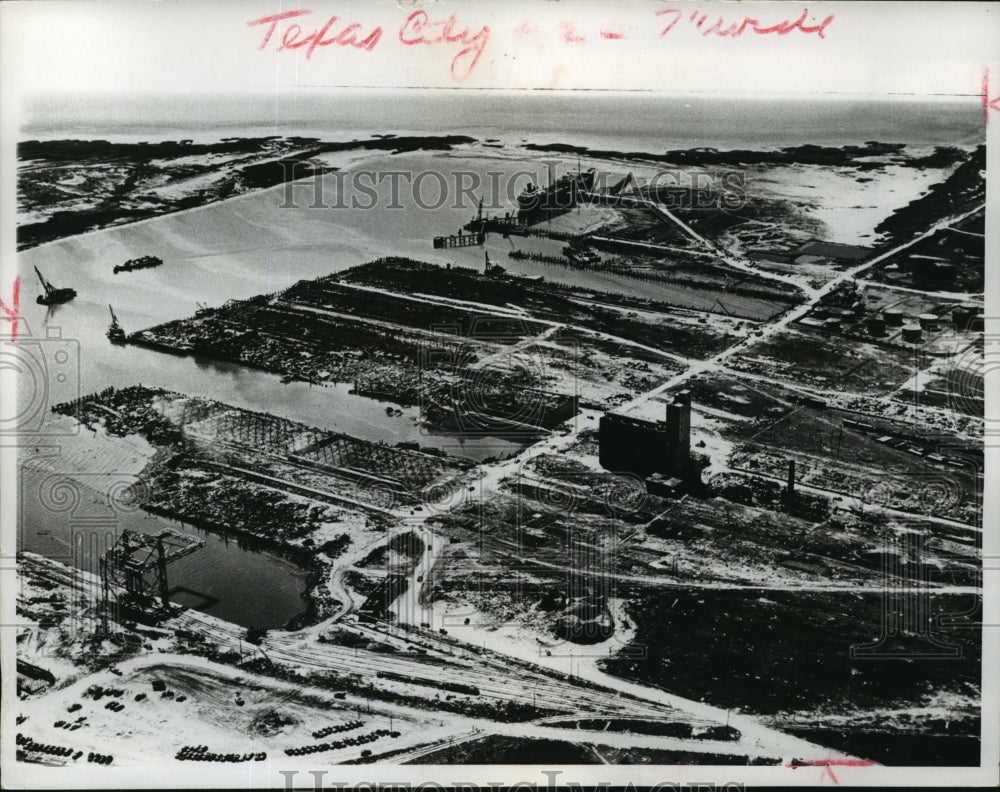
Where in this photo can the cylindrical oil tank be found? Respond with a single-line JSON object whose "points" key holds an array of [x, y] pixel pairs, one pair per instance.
{"points": [[928, 321], [912, 333], [876, 326], [893, 317], [977, 323]]}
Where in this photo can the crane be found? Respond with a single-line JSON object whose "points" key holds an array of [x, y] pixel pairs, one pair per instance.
{"points": [[138, 562], [115, 332]]}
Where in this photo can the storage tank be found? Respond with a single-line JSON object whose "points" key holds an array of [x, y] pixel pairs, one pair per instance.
{"points": [[893, 317], [928, 321], [876, 326], [912, 333], [977, 323]]}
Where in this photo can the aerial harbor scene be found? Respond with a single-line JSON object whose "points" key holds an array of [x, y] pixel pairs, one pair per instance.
{"points": [[393, 427]]}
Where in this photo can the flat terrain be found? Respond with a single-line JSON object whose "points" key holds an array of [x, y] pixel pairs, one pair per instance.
{"points": [[812, 590]]}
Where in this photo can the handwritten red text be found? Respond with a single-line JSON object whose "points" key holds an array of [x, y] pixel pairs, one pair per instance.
{"points": [[720, 27], [13, 311], [569, 34], [419, 29], [349, 35], [828, 764], [989, 104]]}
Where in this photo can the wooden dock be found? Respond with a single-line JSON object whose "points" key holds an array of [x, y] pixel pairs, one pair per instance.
{"points": [[459, 240]]}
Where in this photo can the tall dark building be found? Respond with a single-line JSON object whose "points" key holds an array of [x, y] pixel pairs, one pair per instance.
{"points": [[644, 447], [679, 431]]}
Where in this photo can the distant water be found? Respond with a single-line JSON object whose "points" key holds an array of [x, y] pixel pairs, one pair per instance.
{"points": [[630, 121]]}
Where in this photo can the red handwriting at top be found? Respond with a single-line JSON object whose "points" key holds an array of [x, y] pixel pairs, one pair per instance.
{"points": [[418, 29], [350, 36], [12, 312], [988, 104], [827, 764], [748, 24], [569, 34]]}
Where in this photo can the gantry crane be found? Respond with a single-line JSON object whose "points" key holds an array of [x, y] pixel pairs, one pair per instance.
{"points": [[138, 563]]}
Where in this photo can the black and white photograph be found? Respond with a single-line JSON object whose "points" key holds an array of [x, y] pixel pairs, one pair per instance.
{"points": [[485, 394]]}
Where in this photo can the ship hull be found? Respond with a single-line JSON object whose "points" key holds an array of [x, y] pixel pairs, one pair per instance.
{"points": [[56, 297], [146, 262], [558, 197]]}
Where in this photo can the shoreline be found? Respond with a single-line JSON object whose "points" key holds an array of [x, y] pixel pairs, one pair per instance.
{"points": [[235, 178], [847, 155]]}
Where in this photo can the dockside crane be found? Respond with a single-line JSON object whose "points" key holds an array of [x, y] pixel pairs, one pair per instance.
{"points": [[138, 563]]}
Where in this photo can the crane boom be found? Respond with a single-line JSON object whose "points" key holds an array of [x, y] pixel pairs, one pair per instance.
{"points": [[45, 284]]}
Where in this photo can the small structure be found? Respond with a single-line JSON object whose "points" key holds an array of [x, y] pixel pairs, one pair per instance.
{"points": [[664, 486], [961, 314], [490, 269], [457, 240]]}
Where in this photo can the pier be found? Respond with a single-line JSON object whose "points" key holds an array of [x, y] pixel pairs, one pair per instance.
{"points": [[459, 240]]}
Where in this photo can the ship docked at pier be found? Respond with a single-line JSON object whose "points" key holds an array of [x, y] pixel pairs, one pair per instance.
{"points": [[559, 196]]}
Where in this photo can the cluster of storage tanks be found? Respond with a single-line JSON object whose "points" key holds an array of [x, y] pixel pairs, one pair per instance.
{"points": [[965, 317]]}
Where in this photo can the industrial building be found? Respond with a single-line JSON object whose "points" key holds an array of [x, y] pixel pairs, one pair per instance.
{"points": [[645, 448]]}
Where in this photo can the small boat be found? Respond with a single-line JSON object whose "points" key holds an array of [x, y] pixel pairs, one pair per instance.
{"points": [[143, 262], [53, 295], [115, 333]]}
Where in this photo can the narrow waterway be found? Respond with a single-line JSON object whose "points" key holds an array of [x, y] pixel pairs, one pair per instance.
{"points": [[70, 521], [230, 250]]}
